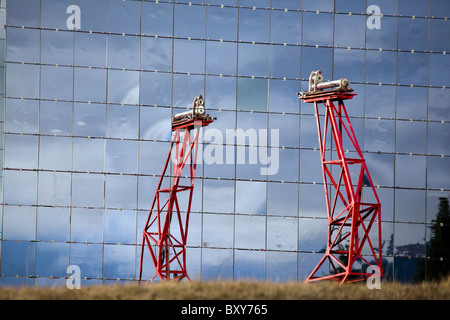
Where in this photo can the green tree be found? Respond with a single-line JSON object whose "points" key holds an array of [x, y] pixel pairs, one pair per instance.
{"points": [[437, 264]]}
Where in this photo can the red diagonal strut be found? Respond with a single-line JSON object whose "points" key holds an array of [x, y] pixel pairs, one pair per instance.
{"points": [[350, 219]]}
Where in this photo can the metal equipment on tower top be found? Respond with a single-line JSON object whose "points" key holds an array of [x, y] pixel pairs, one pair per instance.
{"points": [[350, 254]]}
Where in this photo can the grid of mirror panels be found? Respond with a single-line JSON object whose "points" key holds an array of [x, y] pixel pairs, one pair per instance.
{"points": [[87, 129]]}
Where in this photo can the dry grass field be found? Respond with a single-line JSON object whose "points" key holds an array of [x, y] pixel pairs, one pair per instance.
{"points": [[241, 290]]}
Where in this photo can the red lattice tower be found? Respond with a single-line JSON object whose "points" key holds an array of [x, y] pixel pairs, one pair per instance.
{"points": [[350, 217], [165, 232]]}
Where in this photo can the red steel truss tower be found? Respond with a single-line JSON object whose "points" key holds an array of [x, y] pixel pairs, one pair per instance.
{"points": [[353, 207], [166, 228]]}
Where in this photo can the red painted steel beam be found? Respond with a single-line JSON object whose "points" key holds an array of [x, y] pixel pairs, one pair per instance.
{"points": [[166, 229], [350, 219]]}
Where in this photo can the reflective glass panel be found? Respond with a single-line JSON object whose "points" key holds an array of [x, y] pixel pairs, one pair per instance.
{"points": [[411, 137], [186, 88], [55, 153], [413, 33], [53, 13], [439, 29], [439, 8], [218, 230], [19, 223], [282, 233], [87, 190], [436, 104], [157, 18], [121, 156], [93, 14], [55, 117], [216, 263], [377, 135], [285, 26], [56, 83], [435, 173], [221, 58], [90, 85], [349, 64], [155, 124], [438, 137], [410, 171], [220, 93], [54, 188], [117, 261], [286, 261], [19, 17], [354, 26], [250, 232], [22, 45], [56, 47], [22, 80], [156, 54], [250, 197], [412, 68], [413, 7], [349, 6], [89, 119], [287, 127], [381, 167], [380, 67], [411, 103], [21, 187], [312, 234], [123, 52], [88, 258], [189, 56], [53, 224], [21, 116], [254, 25], [221, 23], [123, 16], [249, 264], [317, 59], [90, 49], [285, 61], [189, 21], [120, 226], [88, 154], [253, 60], [252, 94], [21, 151], [155, 88], [122, 121], [379, 101], [317, 28], [218, 196], [120, 191], [123, 86], [282, 199], [439, 68], [326, 5], [310, 168], [312, 200], [410, 205], [386, 36], [86, 225], [282, 96]]}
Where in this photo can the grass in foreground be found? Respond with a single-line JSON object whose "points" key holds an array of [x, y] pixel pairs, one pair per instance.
{"points": [[240, 290]]}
